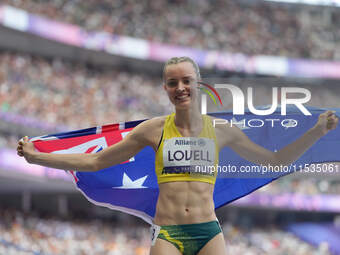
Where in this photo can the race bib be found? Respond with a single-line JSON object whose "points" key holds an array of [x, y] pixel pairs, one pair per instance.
{"points": [[182, 154]]}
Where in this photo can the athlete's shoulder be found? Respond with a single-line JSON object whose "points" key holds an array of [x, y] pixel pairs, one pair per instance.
{"points": [[219, 124], [154, 123], [225, 132], [150, 131]]}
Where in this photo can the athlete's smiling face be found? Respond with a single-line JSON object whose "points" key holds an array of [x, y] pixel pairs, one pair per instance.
{"points": [[180, 81]]}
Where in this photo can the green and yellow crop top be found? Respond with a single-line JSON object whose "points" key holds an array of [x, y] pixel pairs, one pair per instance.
{"points": [[181, 158]]}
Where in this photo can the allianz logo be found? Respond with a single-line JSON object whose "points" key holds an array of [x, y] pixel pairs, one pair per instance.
{"points": [[199, 142]]}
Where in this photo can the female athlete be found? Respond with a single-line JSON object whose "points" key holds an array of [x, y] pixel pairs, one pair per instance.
{"points": [[185, 220]]}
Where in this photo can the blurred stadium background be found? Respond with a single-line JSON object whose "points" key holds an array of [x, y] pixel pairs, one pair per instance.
{"points": [[75, 64]]}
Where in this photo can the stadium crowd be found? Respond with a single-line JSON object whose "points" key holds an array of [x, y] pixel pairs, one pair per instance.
{"points": [[76, 96], [59, 92], [306, 186], [260, 28], [268, 241], [29, 234]]}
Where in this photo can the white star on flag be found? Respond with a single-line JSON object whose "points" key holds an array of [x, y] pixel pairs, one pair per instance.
{"points": [[130, 184]]}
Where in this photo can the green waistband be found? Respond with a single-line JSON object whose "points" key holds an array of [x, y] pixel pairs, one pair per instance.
{"points": [[188, 226]]}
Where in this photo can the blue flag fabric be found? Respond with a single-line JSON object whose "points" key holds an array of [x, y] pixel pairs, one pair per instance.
{"points": [[132, 186]]}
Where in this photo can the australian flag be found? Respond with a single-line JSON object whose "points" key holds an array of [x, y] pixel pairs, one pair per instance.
{"points": [[132, 187]]}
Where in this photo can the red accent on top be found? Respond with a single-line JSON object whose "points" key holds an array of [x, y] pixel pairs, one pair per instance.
{"points": [[110, 127]]}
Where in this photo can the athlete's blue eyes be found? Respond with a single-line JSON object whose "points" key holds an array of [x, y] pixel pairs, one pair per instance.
{"points": [[174, 83]]}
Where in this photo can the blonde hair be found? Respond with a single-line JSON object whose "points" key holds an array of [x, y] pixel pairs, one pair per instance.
{"points": [[177, 60]]}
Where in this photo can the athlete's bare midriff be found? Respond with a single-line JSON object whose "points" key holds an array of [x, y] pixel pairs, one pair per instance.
{"points": [[181, 202], [184, 203]]}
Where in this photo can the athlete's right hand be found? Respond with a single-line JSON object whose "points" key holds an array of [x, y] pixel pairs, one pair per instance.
{"points": [[25, 149]]}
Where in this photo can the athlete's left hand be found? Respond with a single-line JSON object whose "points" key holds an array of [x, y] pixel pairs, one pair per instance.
{"points": [[327, 121]]}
